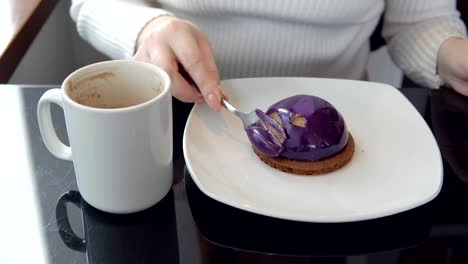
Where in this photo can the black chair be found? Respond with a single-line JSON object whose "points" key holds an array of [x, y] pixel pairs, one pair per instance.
{"points": [[376, 39]]}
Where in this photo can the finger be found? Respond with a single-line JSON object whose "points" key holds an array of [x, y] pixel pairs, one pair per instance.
{"points": [[461, 87], [207, 52], [141, 54], [163, 57], [183, 91], [205, 76], [190, 81]]}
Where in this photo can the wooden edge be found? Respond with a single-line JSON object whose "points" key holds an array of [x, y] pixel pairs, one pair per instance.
{"points": [[20, 44]]}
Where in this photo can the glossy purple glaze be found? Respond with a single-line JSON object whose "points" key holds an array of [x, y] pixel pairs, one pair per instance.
{"points": [[264, 141], [262, 135], [323, 135], [272, 125]]}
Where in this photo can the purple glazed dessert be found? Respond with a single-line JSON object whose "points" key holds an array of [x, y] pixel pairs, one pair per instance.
{"points": [[301, 127]]}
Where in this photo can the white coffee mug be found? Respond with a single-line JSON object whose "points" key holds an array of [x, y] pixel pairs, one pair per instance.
{"points": [[119, 123]]}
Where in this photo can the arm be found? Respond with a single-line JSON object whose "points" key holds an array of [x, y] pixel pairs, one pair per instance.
{"points": [[112, 26], [124, 29], [415, 31]]}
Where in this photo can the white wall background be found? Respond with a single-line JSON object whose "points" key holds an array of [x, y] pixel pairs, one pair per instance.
{"points": [[382, 69], [58, 50]]}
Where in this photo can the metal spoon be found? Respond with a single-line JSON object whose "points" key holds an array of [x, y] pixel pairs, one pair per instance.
{"points": [[248, 119]]}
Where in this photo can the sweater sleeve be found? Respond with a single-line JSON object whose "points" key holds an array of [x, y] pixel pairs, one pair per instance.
{"points": [[112, 26], [414, 31]]}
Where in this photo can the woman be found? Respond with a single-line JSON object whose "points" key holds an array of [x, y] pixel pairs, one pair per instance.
{"points": [[242, 38]]}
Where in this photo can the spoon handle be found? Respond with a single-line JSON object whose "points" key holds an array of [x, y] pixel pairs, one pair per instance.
{"points": [[230, 107]]}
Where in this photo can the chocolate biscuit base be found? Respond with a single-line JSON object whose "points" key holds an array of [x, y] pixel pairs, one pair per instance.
{"points": [[312, 167]]}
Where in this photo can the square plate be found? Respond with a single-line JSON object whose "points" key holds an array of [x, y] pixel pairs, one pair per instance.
{"points": [[396, 164]]}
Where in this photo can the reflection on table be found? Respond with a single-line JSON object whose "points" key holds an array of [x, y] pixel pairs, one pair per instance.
{"points": [[149, 236]]}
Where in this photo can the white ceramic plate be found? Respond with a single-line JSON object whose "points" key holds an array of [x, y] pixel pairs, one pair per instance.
{"points": [[396, 165]]}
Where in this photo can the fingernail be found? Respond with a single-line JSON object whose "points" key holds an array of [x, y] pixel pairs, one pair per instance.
{"points": [[200, 100], [214, 102]]}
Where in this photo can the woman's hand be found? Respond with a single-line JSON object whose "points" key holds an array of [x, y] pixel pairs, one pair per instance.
{"points": [[169, 42], [452, 64]]}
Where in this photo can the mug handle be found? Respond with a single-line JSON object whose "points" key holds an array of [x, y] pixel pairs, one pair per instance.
{"points": [[69, 237], [46, 127]]}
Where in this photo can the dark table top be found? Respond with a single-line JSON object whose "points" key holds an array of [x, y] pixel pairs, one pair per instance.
{"points": [[45, 221]]}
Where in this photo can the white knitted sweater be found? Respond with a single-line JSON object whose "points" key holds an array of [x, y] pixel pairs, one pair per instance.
{"points": [[320, 38]]}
